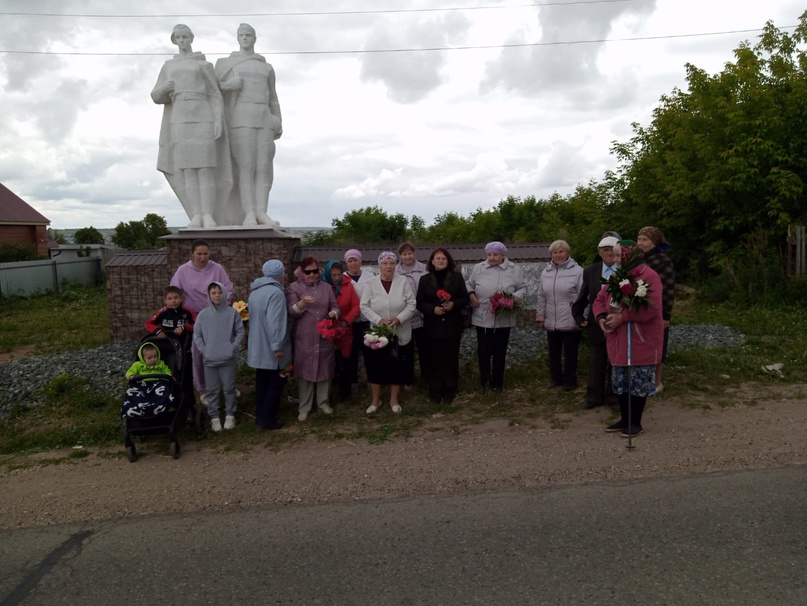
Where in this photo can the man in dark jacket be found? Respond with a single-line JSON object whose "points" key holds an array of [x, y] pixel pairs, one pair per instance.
{"points": [[598, 389]]}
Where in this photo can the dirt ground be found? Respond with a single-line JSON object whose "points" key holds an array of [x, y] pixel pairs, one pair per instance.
{"points": [[765, 427]]}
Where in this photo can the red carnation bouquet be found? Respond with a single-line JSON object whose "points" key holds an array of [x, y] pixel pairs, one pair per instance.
{"points": [[503, 303], [330, 328], [444, 296]]}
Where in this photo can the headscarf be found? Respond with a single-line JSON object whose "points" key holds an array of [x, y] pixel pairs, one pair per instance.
{"points": [[496, 247], [273, 268], [353, 254], [326, 276], [387, 254], [656, 236]]}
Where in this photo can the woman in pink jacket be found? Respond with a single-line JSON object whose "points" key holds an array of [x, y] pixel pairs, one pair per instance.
{"points": [[646, 343]]}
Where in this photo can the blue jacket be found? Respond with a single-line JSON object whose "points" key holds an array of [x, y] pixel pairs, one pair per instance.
{"points": [[218, 332], [268, 325]]}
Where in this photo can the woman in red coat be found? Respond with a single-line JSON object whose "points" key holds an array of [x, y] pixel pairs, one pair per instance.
{"points": [[646, 344], [348, 301]]}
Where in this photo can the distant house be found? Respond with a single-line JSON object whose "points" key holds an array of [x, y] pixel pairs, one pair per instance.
{"points": [[21, 224]]}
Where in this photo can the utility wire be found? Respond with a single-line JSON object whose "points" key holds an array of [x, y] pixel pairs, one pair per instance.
{"points": [[323, 13], [412, 50]]}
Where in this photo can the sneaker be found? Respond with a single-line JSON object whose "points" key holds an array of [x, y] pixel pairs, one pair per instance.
{"points": [[237, 393], [396, 408], [302, 416], [614, 427], [372, 408], [326, 409], [229, 422], [631, 431], [215, 425]]}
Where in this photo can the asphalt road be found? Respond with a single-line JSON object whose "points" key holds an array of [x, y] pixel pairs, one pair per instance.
{"points": [[734, 538]]}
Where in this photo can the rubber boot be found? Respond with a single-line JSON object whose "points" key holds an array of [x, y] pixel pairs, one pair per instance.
{"points": [[637, 408]]}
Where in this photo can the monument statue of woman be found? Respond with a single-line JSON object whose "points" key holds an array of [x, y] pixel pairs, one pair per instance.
{"points": [[193, 144], [253, 119]]}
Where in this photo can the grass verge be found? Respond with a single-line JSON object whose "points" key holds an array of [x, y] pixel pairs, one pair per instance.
{"points": [[75, 415]]}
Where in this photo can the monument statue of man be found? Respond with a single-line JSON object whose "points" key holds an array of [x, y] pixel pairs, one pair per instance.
{"points": [[192, 142], [253, 118]]}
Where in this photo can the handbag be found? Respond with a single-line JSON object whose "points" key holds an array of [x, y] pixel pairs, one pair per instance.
{"points": [[466, 313]]}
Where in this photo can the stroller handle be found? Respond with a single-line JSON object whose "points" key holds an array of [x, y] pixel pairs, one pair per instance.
{"points": [[151, 377]]}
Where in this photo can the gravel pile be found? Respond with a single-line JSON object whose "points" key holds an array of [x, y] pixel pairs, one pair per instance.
{"points": [[22, 381]]}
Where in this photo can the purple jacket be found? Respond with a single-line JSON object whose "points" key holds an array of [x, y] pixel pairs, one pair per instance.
{"points": [[194, 283], [314, 358]]}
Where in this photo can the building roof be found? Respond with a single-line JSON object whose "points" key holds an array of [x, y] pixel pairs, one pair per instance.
{"points": [[15, 210], [138, 258], [462, 253]]}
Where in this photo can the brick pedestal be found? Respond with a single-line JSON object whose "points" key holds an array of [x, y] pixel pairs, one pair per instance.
{"points": [[135, 280], [242, 252]]}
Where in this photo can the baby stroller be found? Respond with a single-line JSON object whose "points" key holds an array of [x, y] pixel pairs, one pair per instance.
{"points": [[156, 404]]}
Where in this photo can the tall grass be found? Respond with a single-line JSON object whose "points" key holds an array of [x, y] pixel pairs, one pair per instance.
{"points": [[72, 319]]}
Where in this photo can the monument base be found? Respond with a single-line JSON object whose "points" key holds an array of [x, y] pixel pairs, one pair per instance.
{"points": [[136, 279], [241, 250]]}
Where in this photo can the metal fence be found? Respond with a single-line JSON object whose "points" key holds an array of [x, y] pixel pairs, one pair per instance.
{"points": [[796, 250], [29, 278]]}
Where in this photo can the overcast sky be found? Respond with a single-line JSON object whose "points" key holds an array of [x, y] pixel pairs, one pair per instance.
{"points": [[417, 132]]}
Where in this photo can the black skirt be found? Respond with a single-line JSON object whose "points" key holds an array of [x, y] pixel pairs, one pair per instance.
{"points": [[390, 365]]}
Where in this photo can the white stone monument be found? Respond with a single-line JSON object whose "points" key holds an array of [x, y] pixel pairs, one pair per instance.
{"points": [[194, 153], [253, 118]]}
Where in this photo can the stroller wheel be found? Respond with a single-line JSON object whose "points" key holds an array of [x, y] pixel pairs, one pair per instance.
{"points": [[131, 453], [175, 449]]}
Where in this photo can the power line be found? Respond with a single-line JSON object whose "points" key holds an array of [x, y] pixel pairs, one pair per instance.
{"points": [[415, 50], [323, 13]]}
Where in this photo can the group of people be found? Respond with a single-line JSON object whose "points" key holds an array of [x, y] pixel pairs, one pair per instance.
{"points": [[317, 328], [631, 341]]}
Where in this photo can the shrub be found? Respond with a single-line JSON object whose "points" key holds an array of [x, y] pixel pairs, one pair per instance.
{"points": [[13, 251]]}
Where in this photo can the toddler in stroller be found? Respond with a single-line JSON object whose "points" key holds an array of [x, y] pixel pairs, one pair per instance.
{"points": [[157, 400]]}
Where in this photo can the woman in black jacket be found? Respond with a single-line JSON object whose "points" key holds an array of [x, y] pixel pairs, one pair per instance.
{"points": [[441, 298]]}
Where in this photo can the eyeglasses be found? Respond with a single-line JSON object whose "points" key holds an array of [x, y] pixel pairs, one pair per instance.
{"points": [[310, 272]]}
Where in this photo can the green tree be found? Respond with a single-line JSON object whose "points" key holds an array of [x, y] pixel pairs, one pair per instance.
{"points": [[370, 225], [88, 235], [317, 237], [58, 236], [725, 160], [141, 235]]}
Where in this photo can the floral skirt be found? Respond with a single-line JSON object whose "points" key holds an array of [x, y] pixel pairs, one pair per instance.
{"points": [[642, 380]]}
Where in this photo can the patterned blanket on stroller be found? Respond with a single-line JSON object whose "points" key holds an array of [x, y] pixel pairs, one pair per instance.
{"points": [[147, 398]]}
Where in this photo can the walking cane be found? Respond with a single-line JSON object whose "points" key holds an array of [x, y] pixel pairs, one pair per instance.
{"points": [[630, 445]]}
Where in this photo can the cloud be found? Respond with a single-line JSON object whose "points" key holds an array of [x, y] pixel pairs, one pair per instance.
{"points": [[411, 76], [371, 186], [562, 68]]}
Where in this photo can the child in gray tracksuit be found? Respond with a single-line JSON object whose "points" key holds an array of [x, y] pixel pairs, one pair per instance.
{"points": [[218, 333]]}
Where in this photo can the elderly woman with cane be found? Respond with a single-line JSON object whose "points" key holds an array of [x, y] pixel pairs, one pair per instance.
{"points": [[630, 316]]}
